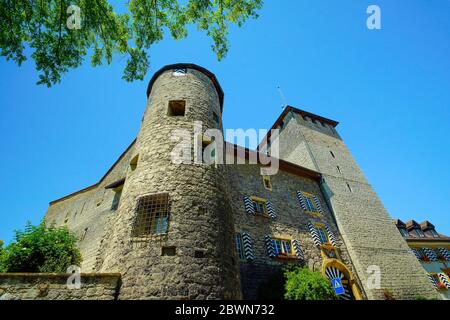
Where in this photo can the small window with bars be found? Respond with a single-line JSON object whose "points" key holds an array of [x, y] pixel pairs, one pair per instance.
{"points": [[323, 235], [152, 215]]}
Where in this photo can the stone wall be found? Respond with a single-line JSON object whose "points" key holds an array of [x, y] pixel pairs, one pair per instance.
{"points": [[365, 225], [291, 223], [87, 213], [44, 286]]}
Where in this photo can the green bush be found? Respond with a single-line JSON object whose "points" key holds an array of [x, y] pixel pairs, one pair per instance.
{"points": [[304, 284], [2, 254], [41, 249]]}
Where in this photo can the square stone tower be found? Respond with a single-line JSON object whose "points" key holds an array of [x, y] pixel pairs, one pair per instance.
{"points": [[372, 240]]}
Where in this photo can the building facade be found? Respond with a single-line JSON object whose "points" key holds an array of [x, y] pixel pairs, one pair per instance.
{"points": [[432, 250], [189, 230]]}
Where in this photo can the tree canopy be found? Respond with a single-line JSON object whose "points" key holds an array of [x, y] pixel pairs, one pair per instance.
{"points": [[40, 249], [61, 33], [304, 284]]}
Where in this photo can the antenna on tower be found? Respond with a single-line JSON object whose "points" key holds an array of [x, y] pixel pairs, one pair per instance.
{"points": [[283, 99]]}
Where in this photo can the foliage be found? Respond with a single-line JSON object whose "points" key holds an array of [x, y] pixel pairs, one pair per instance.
{"points": [[2, 254], [42, 27], [41, 249], [303, 284]]}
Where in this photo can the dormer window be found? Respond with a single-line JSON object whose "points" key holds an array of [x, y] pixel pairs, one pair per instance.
{"points": [[419, 233], [434, 233], [404, 232]]}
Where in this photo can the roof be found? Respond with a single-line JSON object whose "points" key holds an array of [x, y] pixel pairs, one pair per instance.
{"points": [[99, 182], [206, 72], [303, 113]]}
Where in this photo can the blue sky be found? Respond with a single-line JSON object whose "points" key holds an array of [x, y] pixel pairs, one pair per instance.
{"points": [[390, 89]]}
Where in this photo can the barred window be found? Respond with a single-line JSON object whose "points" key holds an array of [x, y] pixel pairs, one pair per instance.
{"points": [[309, 201], [152, 215], [322, 234]]}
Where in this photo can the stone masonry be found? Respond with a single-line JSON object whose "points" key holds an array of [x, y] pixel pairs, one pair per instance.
{"points": [[196, 256]]}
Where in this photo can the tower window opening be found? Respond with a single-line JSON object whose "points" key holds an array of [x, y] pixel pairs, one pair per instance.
{"points": [[208, 157], [134, 163], [240, 246], [152, 215], [177, 108], [338, 169], [332, 154], [179, 72], [116, 199], [267, 183], [168, 251], [349, 188]]}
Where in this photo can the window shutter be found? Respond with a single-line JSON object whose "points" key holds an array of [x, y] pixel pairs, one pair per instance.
{"points": [[302, 200], [331, 236], [444, 280], [433, 281], [269, 246], [248, 246], [271, 210], [298, 250], [318, 205], [417, 253], [430, 254], [445, 253], [314, 234], [249, 205]]}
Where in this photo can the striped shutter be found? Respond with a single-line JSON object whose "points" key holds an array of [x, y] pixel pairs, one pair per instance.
{"points": [[444, 280], [271, 210], [318, 205], [248, 246], [417, 253], [314, 234], [430, 254], [433, 281], [248, 203], [302, 201], [269, 246], [331, 236], [445, 253], [298, 250]]}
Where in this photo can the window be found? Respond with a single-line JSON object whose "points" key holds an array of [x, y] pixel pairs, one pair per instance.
{"points": [[282, 247], [179, 72], [134, 163], [239, 247], [332, 154], [259, 205], [437, 281], [177, 108], [152, 215], [323, 236], [168, 251], [309, 202], [116, 199], [349, 188], [267, 183], [434, 233], [419, 233], [338, 169], [404, 232], [210, 156]]}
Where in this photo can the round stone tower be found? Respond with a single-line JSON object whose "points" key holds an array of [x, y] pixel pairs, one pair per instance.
{"points": [[173, 234]]}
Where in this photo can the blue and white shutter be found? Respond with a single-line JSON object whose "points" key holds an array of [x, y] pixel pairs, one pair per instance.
{"points": [[247, 243], [444, 280], [301, 199], [248, 203], [318, 205], [298, 250], [417, 253], [445, 253], [331, 236], [430, 254], [270, 210], [269, 246], [314, 234], [433, 281]]}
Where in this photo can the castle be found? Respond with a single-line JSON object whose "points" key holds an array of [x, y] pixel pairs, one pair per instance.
{"points": [[196, 231]]}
